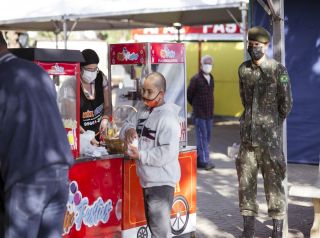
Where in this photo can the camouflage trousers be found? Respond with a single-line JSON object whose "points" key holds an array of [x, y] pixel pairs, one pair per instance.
{"points": [[248, 163]]}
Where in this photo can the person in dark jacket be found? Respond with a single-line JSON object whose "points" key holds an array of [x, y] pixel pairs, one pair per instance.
{"points": [[35, 154], [94, 96], [200, 96]]}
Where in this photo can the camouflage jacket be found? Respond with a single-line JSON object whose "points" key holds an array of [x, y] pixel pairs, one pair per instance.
{"points": [[267, 100]]}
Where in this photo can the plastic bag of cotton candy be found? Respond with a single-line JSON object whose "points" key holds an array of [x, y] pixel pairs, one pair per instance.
{"points": [[87, 149]]}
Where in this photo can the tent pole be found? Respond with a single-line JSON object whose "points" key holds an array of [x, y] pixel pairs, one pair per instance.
{"points": [[244, 25], [277, 8], [56, 32], [65, 32], [56, 35], [244, 14]]}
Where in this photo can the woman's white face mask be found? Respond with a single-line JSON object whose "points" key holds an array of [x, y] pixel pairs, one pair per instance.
{"points": [[88, 76], [206, 68]]}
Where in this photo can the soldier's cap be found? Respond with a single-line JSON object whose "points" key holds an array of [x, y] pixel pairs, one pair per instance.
{"points": [[259, 34]]}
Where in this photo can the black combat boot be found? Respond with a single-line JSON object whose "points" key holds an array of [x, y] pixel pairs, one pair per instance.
{"points": [[248, 227], [277, 228]]}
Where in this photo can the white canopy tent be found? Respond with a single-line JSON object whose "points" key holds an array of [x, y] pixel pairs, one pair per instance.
{"points": [[69, 15], [76, 15]]}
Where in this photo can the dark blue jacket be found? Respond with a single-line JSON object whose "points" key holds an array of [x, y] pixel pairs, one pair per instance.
{"points": [[32, 136]]}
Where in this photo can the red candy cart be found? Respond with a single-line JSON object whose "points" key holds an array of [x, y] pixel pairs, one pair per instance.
{"points": [[105, 197]]}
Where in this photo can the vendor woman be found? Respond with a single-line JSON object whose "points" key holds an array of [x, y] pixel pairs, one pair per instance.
{"points": [[94, 96]]}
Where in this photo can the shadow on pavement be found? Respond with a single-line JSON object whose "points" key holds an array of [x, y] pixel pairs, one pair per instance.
{"points": [[218, 213]]}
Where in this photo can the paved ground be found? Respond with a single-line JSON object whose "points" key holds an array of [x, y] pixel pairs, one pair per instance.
{"points": [[217, 199]]}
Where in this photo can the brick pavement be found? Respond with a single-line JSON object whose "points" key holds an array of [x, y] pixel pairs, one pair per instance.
{"points": [[217, 199]]}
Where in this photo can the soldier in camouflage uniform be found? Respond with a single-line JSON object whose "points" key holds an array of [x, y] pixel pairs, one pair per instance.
{"points": [[266, 96]]}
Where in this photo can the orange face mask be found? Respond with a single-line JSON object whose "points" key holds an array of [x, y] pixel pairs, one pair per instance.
{"points": [[151, 103]]}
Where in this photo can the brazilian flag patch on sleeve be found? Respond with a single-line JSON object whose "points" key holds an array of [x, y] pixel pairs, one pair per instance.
{"points": [[284, 78]]}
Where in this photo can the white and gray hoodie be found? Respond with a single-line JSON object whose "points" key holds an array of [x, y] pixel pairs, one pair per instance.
{"points": [[159, 134]]}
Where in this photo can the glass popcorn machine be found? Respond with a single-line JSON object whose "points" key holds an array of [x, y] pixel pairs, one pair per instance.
{"points": [[130, 63], [128, 66], [63, 66]]}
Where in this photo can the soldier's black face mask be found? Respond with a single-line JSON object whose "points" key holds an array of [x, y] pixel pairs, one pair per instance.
{"points": [[255, 52]]}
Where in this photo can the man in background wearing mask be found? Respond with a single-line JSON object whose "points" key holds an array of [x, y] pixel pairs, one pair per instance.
{"points": [[157, 128], [94, 96], [200, 96], [266, 97]]}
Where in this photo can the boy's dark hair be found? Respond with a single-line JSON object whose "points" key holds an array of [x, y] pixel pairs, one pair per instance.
{"points": [[2, 40]]}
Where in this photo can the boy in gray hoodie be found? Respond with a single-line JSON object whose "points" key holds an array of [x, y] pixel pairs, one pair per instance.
{"points": [[156, 126]]}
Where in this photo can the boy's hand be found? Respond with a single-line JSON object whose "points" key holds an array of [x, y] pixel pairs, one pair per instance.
{"points": [[130, 135], [132, 152]]}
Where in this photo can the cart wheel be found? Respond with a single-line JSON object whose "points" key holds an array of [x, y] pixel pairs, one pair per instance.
{"points": [[142, 232], [180, 210]]}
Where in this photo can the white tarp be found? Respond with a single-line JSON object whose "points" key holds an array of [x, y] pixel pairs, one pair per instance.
{"points": [[114, 14]]}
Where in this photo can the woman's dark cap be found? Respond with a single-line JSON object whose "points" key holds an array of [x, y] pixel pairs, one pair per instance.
{"points": [[90, 57]]}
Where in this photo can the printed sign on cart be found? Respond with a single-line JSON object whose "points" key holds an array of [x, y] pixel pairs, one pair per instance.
{"points": [[59, 68], [128, 53], [167, 53], [81, 212]]}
